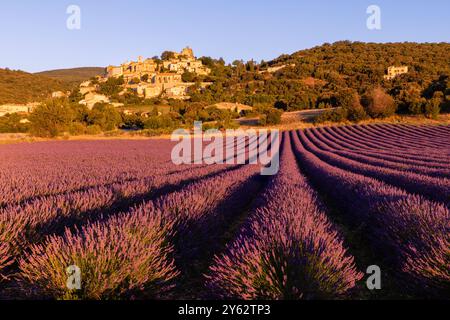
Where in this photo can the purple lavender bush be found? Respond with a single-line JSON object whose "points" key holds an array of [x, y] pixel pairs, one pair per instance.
{"points": [[121, 259]]}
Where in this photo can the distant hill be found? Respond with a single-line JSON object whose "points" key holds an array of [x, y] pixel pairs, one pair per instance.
{"points": [[73, 76], [22, 87]]}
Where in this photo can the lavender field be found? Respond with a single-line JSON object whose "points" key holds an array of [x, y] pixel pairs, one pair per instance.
{"points": [[140, 227]]}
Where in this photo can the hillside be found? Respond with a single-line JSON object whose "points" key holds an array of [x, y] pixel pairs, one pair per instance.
{"points": [[23, 87], [361, 64], [73, 76], [311, 78]]}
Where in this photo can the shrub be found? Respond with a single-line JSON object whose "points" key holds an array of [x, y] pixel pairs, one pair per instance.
{"points": [[273, 116], [77, 129], [166, 121], [378, 104], [282, 105], [416, 106], [93, 129], [270, 116], [446, 104], [132, 122], [288, 249], [336, 115]]}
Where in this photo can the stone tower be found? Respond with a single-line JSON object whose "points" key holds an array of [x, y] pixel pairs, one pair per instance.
{"points": [[188, 52]]}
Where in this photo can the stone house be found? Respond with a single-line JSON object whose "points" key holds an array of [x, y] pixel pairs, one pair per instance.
{"points": [[395, 71], [92, 98], [60, 94]]}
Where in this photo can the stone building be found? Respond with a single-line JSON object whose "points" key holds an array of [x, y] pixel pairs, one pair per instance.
{"points": [[156, 78], [166, 79], [395, 71], [149, 90], [180, 63], [87, 87], [91, 98], [179, 91], [60, 94], [133, 69], [186, 53], [17, 108], [167, 84]]}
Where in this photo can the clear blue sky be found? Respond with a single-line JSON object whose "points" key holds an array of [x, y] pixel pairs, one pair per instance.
{"points": [[34, 36]]}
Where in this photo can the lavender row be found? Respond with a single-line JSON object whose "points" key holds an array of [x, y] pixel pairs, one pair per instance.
{"points": [[386, 143], [72, 166], [434, 188], [29, 223], [396, 134], [288, 249], [140, 242], [394, 156], [420, 132], [413, 229], [326, 145], [353, 145]]}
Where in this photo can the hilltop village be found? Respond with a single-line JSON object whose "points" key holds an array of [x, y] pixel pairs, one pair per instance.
{"points": [[150, 78]]}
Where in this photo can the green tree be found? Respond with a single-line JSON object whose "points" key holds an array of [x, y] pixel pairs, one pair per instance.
{"points": [[167, 55], [433, 106], [188, 76], [281, 105], [75, 96], [355, 111], [51, 118], [105, 116], [378, 104], [112, 86], [11, 123], [270, 116]]}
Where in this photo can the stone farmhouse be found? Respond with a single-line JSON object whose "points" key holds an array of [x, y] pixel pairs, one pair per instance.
{"points": [[395, 71]]}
